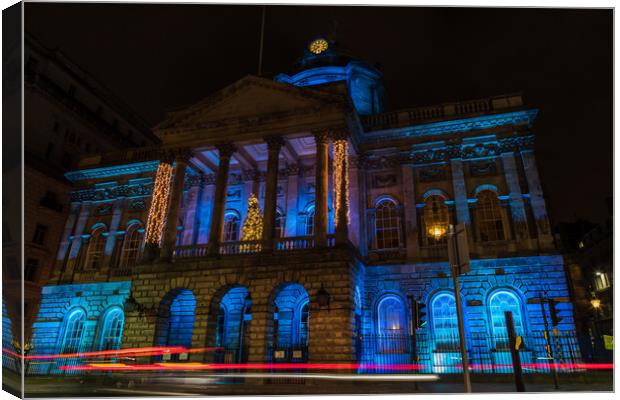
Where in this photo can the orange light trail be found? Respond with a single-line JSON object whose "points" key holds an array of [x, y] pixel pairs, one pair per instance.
{"points": [[136, 352]]}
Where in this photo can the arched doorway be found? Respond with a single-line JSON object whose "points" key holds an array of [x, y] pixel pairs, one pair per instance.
{"points": [[230, 319], [175, 321], [290, 332]]}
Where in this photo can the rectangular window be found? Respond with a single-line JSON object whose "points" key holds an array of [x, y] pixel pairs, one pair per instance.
{"points": [[601, 281], [39, 234], [30, 271]]}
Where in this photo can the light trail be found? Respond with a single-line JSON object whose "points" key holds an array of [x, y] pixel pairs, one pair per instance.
{"points": [[305, 366], [137, 352]]}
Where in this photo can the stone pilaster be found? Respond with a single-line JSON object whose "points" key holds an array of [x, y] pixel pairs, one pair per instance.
{"points": [[460, 197], [112, 239], [174, 205], [65, 241], [271, 192], [517, 208], [321, 188], [363, 206], [76, 243], [219, 198], [354, 209], [409, 203], [537, 201]]}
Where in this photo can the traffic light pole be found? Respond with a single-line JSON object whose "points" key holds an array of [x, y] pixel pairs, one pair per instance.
{"points": [[459, 311], [548, 340]]}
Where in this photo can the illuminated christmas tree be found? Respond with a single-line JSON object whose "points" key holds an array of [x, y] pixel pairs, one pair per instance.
{"points": [[253, 224]]}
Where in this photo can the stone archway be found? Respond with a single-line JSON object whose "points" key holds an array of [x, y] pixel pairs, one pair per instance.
{"points": [[228, 329]]}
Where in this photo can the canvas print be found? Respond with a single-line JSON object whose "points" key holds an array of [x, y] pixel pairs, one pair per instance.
{"points": [[283, 199]]}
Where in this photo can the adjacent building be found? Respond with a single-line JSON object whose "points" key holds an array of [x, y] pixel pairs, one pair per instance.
{"points": [[68, 115]]}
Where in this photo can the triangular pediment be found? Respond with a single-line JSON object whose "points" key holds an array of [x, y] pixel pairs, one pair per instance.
{"points": [[250, 98]]}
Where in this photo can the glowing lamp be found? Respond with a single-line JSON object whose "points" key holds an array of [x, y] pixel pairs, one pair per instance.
{"points": [[596, 303], [437, 231]]}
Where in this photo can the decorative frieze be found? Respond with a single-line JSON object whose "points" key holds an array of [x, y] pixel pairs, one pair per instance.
{"points": [[383, 180], [111, 193], [434, 173], [483, 168]]}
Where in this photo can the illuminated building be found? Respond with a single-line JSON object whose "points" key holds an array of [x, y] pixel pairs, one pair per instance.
{"points": [[355, 203]]}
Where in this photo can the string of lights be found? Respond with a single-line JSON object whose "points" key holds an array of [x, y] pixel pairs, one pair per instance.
{"points": [[159, 204], [341, 179]]}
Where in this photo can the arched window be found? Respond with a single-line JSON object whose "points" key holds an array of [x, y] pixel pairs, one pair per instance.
{"points": [[279, 224], [74, 331], [387, 225], [112, 330], [436, 220], [489, 216], [309, 225], [391, 316], [444, 321], [304, 318], [131, 246], [500, 302], [231, 227], [96, 246]]}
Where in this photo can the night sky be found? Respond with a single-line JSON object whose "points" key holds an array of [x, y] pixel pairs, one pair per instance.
{"points": [[160, 57]]}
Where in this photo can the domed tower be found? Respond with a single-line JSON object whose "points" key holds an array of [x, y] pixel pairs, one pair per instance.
{"points": [[323, 62]]}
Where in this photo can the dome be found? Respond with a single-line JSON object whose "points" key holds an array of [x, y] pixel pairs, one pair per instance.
{"points": [[325, 62]]}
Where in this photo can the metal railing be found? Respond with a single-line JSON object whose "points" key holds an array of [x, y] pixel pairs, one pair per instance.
{"points": [[437, 353], [241, 247]]}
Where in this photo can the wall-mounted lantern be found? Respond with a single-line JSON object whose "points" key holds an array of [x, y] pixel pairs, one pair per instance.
{"points": [[323, 297]]}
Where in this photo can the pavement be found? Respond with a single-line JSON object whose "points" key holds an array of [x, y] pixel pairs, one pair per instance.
{"points": [[207, 385]]}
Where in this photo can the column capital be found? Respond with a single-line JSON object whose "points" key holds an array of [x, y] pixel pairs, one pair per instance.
{"points": [[320, 136], [339, 134], [226, 149], [274, 142]]}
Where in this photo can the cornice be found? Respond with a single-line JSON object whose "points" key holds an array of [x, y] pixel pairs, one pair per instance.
{"points": [[453, 126], [112, 171]]}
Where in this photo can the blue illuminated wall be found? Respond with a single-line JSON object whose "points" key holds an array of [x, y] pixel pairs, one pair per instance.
{"points": [[521, 278], [59, 301], [363, 82], [175, 323]]}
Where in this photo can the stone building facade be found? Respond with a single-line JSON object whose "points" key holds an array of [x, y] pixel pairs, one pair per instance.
{"points": [[356, 205]]}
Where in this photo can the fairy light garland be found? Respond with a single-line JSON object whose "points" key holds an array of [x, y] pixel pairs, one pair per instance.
{"points": [[341, 179], [159, 204]]}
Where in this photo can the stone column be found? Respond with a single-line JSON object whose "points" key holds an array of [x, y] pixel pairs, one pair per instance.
{"points": [[174, 205], [537, 201], [219, 198], [189, 222], [409, 203], [320, 201], [206, 201], [517, 208], [292, 198], [274, 144], [341, 189], [157, 211]]}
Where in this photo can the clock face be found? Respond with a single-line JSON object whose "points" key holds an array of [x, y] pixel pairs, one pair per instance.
{"points": [[318, 46]]}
